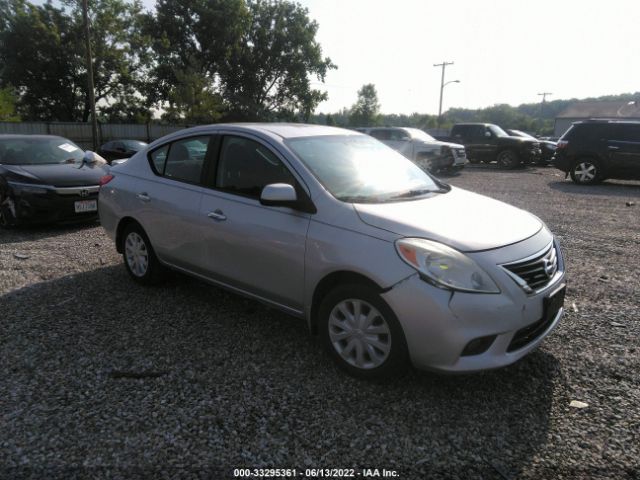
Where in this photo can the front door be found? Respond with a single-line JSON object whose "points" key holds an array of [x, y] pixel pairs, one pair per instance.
{"points": [[624, 150], [248, 245]]}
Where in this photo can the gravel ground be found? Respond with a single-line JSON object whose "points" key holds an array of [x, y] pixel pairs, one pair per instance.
{"points": [[103, 378]]}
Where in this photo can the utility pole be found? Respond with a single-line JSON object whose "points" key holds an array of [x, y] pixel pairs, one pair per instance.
{"points": [[92, 98], [443, 65], [544, 98]]}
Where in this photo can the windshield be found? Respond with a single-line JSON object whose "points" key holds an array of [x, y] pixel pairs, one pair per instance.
{"points": [[420, 135], [360, 169], [39, 151], [497, 131]]}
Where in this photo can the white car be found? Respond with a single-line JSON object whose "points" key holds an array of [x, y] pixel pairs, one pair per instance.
{"points": [[420, 147]]}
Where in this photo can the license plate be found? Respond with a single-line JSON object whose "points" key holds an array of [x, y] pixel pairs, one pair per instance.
{"points": [[554, 302], [84, 206]]}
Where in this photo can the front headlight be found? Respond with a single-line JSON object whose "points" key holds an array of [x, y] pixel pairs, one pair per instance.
{"points": [[445, 267]]}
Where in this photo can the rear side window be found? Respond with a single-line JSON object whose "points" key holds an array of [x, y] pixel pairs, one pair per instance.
{"points": [[381, 134], [626, 133], [181, 160], [245, 167]]}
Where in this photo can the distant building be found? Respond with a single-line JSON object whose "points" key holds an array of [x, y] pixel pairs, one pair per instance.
{"points": [[586, 110]]}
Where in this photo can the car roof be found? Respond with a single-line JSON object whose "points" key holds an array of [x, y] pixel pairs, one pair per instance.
{"points": [[606, 120], [287, 130]]}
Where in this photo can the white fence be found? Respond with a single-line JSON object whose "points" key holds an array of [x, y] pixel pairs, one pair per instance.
{"points": [[80, 133]]}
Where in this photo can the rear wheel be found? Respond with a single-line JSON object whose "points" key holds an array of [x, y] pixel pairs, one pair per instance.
{"points": [[508, 159], [139, 258], [361, 332], [586, 171]]}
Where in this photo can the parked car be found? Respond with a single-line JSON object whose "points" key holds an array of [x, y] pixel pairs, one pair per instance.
{"points": [[485, 142], [119, 149], [429, 153], [46, 179], [594, 150], [385, 262], [547, 147]]}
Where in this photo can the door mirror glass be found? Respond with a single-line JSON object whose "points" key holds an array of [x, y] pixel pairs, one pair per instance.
{"points": [[278, 194]]}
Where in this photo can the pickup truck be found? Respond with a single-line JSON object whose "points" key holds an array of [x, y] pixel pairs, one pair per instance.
{"points": [[485, 142], [424, 150]]}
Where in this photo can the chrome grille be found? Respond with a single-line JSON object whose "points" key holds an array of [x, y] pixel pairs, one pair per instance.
{"points": [[535, 272], [460, 152]]}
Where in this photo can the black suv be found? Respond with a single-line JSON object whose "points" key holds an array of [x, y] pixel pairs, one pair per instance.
{"points": [[593, 150], [485, 142]]}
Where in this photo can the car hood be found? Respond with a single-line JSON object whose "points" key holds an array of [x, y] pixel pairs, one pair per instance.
{"points": [[461, 219], [59, 175]]}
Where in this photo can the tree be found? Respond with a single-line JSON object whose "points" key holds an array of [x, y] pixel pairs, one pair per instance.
{"points": [[42, 56], [8, 105], [366, 111], [188, 55], [267, 77]]}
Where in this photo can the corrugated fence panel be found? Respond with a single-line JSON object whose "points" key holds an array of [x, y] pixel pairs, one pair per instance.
{"points": [[24, 128], [80, 133], [124, 131]]}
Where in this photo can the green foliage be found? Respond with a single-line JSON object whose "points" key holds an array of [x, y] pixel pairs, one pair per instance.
{"points": [[366, 111], [8, 105], [42, 54]]}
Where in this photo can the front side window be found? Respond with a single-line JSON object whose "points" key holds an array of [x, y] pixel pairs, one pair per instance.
{"points": [[626, 133], [355, 168], [245, 167]]}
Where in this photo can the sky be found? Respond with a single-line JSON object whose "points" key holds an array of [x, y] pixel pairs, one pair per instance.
{"points": [[504, 51]]}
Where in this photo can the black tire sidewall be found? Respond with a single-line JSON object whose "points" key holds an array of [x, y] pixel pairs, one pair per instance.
{"points": [[155, 271], [397, 361]]}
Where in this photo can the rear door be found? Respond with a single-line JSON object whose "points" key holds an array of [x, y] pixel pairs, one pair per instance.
{"points": [[253, 247], [623, 147], [169, 203]]}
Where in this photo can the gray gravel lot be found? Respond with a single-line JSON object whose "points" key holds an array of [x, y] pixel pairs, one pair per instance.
{"points": [[100, 377]]}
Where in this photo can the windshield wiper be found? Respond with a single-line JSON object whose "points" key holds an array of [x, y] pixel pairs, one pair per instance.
{"points": [[360, 199]]}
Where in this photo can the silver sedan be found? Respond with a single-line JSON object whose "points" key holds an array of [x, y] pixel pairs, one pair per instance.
{"points": [[388, 265]]}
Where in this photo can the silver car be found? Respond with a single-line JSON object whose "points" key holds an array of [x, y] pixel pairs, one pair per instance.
{"points": [[388, 265]]}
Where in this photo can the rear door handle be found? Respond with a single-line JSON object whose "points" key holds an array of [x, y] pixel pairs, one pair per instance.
{"points": [[144, 197], [217, 216], [611, 147]]}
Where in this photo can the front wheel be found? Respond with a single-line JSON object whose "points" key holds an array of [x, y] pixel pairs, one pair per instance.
{"points": [[508, 159], [139, 258], [361, 333], [7, 218], [585, 171]]}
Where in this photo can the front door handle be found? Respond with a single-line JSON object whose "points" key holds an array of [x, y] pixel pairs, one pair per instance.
{"points": [[217, 216], [144, 197], [611, 147]]}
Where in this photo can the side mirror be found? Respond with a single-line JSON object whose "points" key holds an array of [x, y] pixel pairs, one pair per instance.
{"points": [[92, 158], [278, 195], [487, 134]]}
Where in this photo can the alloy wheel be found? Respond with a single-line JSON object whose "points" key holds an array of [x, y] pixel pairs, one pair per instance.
{"points": [[359, 334], [585, 172], [137, 254]]}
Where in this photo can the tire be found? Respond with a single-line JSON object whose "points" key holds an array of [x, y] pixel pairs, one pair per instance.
{"points": [[7, 219], [139, 258], [508, 159], [586, 171], [374, 347]]}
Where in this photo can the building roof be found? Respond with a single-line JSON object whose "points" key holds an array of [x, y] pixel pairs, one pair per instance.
{"points": [[602, 110]]}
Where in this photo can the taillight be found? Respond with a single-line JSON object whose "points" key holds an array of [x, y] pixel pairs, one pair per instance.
{"points": [[106, 179], [562, 144]]}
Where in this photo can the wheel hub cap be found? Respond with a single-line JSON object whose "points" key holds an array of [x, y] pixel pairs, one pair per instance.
{"points": [[136, 254], [585, 171], [359, 333]]}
